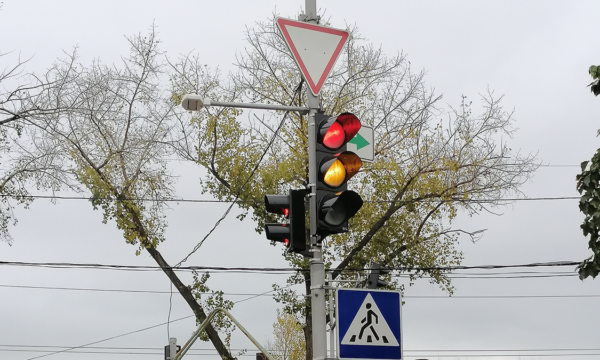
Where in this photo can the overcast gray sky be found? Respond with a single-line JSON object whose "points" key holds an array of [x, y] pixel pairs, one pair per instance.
{"points": [[536, 53]]}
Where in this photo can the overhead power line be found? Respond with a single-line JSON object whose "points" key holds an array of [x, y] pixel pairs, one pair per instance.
{"points": [[213, 201], [274, 350], [278, 270], [112, 290], [265, 294], [459, 355], [420, 356], [408, 353]]}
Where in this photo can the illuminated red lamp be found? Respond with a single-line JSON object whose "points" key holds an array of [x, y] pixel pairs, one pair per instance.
{"points": [[337, 131], [334, 136]]}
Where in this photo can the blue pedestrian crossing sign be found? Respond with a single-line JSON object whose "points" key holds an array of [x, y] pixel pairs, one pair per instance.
{"points": [[368, 324]]}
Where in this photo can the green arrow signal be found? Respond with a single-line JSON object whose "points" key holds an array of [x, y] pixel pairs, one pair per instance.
{"points": [[359, 141]]}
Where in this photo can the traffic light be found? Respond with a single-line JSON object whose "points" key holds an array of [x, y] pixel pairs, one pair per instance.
{"points": [[373, 278], [335, 166], [292, 234]]}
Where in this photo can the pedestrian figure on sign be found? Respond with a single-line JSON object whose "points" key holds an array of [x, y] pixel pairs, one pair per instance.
{"points": [[368, 320]]}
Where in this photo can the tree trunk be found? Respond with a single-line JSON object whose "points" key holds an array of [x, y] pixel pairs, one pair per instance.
{"points": [[308, 336], [186, 292]]}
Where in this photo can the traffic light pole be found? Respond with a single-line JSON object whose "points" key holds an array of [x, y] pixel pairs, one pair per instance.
{"points": [[317, 267]]}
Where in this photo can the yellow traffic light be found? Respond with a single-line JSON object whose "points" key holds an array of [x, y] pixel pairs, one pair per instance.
{"points": [[335, 175]]}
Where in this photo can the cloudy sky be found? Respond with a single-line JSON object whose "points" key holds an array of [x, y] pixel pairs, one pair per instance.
{"points": [[536, 53]]}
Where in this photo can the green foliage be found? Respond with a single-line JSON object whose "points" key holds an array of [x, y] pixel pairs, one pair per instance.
{"points": [[594, 71], [588, 185], [288, 338], [595, 85], [210, 300]]}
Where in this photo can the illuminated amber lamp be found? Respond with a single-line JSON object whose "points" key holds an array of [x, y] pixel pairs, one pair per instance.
{"points": [[336, 171]]}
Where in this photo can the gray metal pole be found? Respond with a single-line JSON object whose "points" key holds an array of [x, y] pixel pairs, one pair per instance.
{"points": [[332, 322], [172, 348], [317, 267], [310, 8], [255, 106]]}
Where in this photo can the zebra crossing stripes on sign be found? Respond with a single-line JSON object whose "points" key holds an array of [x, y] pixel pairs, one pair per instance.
{"points": [[369, 324]]}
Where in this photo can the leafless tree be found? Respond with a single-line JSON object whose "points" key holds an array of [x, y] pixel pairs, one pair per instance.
{"points": [[27, 159], [114, 141]]}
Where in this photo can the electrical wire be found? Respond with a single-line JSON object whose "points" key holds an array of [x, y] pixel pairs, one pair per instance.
{"points": [[420, 356], [434, 355], [110, 290], [421, 353], [253, 295], [103, 347], [212, 201], [494, 276], [280, 270], [170, 307], [274, 350]]}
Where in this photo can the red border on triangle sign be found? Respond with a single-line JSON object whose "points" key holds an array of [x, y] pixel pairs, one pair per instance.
{"points": [[325, 52]]}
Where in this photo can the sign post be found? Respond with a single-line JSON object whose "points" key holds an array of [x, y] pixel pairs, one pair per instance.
{"points": [[315, 49]]}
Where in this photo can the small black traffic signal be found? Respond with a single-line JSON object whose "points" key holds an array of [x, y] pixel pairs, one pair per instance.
{"points": [[335, 166], [373, 277], [292, 234]]}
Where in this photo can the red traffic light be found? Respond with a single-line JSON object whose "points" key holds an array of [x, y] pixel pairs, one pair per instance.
{"points": [[337, 131], [292, 234], [278, 233], [279, 204]]}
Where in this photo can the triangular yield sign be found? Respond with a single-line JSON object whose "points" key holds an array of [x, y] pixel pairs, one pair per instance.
{"points": [[315, 49], [369, 327]]}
